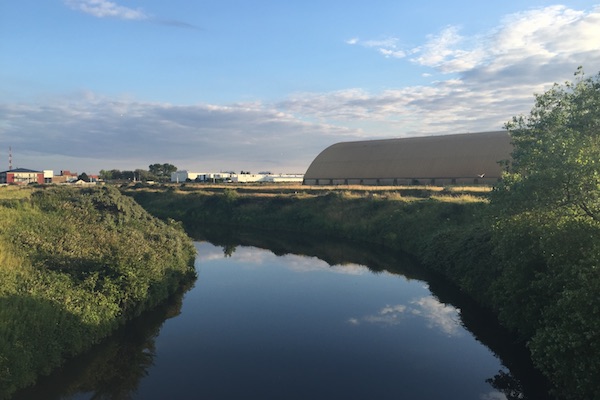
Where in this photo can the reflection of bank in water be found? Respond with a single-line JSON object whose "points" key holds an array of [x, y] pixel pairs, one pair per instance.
{"points": [[113, 368], [523, 378]]}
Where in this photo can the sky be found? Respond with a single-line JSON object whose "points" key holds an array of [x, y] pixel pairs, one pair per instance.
{"points": [[266, 85]]}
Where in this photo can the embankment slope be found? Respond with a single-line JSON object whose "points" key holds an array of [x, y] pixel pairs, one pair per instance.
{"points": [[74, 265]]}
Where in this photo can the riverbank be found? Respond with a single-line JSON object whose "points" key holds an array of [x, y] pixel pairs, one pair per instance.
{"points": [[535, 272], [75, 264]]}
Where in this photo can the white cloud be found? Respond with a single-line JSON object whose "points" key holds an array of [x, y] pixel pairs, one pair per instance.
{"points": [[124, 133], [555, 34], [443, 51], [486, 78], [105, 8], [388, 47], [483, 80]]}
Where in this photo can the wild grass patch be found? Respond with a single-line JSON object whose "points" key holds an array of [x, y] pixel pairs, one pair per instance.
{"points": [[74, 264], [463, 198]]}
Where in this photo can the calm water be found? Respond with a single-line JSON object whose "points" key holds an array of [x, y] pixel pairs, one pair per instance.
{"points": [[261, 326]]}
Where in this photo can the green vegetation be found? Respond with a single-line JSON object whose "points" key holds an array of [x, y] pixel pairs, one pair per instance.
{"points": [[531, 254], [74, 265], [547, 235], [162, 171], [155, 172], [556, 162]]}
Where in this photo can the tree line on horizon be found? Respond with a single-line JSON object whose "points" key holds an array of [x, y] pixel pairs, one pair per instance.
{"points": [[155, 172]]}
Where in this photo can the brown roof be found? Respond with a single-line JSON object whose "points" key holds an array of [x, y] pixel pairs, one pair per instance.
{"points": [[449, 156]]}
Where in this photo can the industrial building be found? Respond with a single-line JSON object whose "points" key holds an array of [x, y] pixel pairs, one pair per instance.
{"points": [[187, 176], [471, 158], [23, 176]]}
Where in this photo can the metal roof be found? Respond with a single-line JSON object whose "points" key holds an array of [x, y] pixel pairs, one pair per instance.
{"points": [[448, 156], [24, 170]]}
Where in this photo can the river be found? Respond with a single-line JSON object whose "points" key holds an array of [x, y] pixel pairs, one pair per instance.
{"points": [[265, 323]]}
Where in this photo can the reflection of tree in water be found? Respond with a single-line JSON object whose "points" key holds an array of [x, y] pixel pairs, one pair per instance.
{"points": [[508, 385], [229, 249], [114, 368], [523, 382], [116, 373]]}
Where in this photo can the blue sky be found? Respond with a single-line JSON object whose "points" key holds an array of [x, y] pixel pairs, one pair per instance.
{"points": [[266, 85]]}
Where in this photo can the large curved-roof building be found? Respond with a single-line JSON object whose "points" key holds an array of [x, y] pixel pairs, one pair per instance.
{"points": [[469, 158]]}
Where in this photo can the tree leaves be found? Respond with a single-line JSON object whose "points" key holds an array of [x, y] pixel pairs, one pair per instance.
{"points": [[557, 151]]}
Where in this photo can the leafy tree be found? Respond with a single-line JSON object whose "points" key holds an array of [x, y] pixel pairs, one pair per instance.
{"points": [[144, 175], [162, 171], [127, 175], [556, 158], [84, 177], [547, 235], [113, 174], [106, 175], [138, 175], [116, 174]]}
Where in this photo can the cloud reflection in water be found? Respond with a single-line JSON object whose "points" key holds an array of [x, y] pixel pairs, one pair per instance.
{"points": [[256, 258], [438, 316]]}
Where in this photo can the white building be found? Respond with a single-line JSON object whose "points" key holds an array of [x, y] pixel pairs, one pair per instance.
{"points": [[272, 178], [186, 176], [48, 175]]}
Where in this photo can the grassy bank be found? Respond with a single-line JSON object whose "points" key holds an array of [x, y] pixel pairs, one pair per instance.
{"points": [[537, 272], [74, 265]]}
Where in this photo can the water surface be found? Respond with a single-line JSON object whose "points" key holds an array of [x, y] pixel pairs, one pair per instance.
{"points": [[261, 326], [267, 326]]}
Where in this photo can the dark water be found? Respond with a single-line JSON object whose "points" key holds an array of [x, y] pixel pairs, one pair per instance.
{"points": [[266, 326]]}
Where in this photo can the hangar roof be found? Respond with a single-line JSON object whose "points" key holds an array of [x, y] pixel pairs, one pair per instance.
{"points": [[448, 156]]}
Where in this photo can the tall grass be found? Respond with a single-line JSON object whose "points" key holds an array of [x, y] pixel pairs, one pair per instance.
{"points": [[15, 192]]}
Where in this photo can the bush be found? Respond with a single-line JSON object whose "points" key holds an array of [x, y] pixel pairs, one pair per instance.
{"points": [[76, 263]]}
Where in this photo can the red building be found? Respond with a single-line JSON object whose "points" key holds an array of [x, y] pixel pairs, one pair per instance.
{"points": [[21, 176]]}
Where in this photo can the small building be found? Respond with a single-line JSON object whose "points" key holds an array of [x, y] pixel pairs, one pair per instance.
{"points": [[186, 176], [21, 176], [287, 178], [268, 178], [470, 158], [65, 176], [69, 176], [48, 175], [248, 178], [81, 182]]}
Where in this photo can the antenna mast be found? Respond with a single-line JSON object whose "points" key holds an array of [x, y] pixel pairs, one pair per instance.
{"points": [[9, 158]]}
